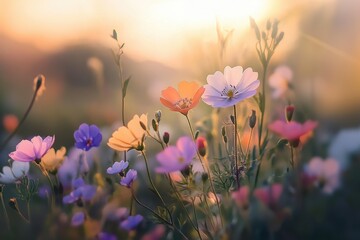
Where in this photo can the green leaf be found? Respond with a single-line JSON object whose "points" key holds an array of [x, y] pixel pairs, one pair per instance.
{"points": [[126, 83]]}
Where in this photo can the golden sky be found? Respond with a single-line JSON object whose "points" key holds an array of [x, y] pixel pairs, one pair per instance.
{"points": [[156, 29]]}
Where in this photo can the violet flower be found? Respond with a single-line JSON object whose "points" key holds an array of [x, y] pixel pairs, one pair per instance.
{"points": [[77, 219], [131, 175], [87, 136], [176, 158], [131, 222], [117, 167], [34, 150], [81, 191], [106, 236]]}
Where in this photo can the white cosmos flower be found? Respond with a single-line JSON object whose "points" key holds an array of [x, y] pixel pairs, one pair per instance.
{"points": [[13, 173], [235, 85]]}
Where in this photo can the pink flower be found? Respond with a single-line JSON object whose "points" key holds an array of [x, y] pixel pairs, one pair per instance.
{"points": [[279, 81], [241, 197], [269, 195], [292, 131], [326, 173], [34, 150], [176, 158]]}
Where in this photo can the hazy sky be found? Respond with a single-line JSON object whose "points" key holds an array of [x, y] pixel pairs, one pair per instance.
{"points": [[155, 29]]}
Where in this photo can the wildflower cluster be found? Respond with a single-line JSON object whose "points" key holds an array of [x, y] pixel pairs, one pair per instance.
{"points": [[244, 185]]}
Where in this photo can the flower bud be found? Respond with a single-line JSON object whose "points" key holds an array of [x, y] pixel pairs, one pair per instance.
{"points": [[204, 177], [225, 139], [289, 112], [196, 134], [201, 146], [39, 84], [166, 137], [232, 118], [186, 171], [154, 125], [252, 119], [13, 204], [223, 132], [143, 125], [158, 116]]}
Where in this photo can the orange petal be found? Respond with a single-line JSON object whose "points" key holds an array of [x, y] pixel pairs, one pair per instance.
{"points": [[170, 94], [168, 104], [197, 97], [187, 89]]}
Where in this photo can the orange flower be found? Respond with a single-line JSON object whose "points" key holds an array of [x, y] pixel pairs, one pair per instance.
{"points": [[183, 100]]}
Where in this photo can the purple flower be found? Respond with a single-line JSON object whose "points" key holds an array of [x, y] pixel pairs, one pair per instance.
{"points": [[76, 163], [106, 236], [81, 191], [131, 222], [225, 90], [78, 219], [176, 158], [34, 150], [129, 178], [87, 136], [117, 167]]}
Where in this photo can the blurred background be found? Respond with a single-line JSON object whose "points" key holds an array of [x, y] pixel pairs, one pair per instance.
{"points": [[167, 41]]}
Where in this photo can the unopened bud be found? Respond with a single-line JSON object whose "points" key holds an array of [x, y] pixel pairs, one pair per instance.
{"points": [[232, 118], [204, 177], [252, 119], [13, 204], [166, 137], [223, 132], [289, 112], [143, 125], [201, 146], [39, 84], [158, 116], [225, 139], [154, 125], [186, 171], [196, 134]]}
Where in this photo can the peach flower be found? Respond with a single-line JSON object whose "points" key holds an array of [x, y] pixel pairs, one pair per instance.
{"points": [[130, 137], [183, 100]]}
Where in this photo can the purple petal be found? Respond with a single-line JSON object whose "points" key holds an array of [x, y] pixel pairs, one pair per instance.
{"points": [[131, 222], [78, 219]]}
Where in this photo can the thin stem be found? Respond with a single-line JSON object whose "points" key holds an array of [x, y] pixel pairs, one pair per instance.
{"points": [[148, 208], [181, 202], [206, 170], [154, 187], [257, 173], [7, 140], [292, 162], [196, 220], [263, 102], [45, 173], [4, 208], [248, 144], [28, 210], [235, 149]]}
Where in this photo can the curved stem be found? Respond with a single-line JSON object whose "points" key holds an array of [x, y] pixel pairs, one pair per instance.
{"points": [[206, 169], [196, 220], [235, 149], [7, 140], [4, 208], [263, 102], [154, 187]]}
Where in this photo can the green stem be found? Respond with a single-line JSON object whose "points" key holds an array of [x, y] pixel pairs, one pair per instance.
{"points": [[46, 174], [292, 162], [154, 187], [263, 102], [4, 208], [7, 140], [205, 170], [172, 184], [28, 210], [196, 220], [235, 149], [148, 208]]}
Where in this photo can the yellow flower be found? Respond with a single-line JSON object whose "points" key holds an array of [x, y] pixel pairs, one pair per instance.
{"points": [[52, 160], [130, 137]]}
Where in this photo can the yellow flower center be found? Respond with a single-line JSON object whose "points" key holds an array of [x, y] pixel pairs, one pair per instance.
{"points": [[229, 91], [183, 103]]}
